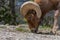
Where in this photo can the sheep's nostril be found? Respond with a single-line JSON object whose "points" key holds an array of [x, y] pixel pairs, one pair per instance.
{"points": [[33, 31]]}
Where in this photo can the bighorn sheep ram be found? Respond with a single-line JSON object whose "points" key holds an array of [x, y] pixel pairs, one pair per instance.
{"points": [[35, 11]]}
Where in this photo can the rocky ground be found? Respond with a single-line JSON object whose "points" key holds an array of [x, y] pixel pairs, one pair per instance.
{"points": [[5, 34]]}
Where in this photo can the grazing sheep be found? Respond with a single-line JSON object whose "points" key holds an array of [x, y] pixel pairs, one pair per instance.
{"points": [[34, 17]]}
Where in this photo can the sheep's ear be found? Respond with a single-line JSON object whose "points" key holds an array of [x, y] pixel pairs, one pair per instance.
{"points": [[25, 7]]}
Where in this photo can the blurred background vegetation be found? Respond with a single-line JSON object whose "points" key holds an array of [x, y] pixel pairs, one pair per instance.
{"points": [[9, 13]]}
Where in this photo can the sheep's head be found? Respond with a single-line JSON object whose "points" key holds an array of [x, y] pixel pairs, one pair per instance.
{"points": [[31, 11], [32, 20]]}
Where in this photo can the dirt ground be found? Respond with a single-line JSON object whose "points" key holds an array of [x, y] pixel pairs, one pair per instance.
{"points": [[8, 34]]}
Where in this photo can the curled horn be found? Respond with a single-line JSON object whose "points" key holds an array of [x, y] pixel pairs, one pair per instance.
{"points": [[30, 5]]}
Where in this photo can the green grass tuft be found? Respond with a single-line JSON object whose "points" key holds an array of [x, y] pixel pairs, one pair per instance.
{"points": [[22, 30]]}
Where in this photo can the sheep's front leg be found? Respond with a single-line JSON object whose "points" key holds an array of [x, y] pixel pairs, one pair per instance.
{"points": [[55, 26]]}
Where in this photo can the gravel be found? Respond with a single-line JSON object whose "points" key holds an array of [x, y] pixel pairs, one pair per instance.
{"points": [[6, 35], [9, 35]]}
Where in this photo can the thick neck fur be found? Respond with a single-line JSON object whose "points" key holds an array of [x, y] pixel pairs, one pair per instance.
{"points": [[47, 5]]}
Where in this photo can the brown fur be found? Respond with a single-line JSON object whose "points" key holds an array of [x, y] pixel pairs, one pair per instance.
{"points": [[32, 19], [46, 6]]}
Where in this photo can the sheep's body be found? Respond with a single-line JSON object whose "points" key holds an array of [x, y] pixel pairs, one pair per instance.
{"points": [[45, 6], [49, 5]]}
